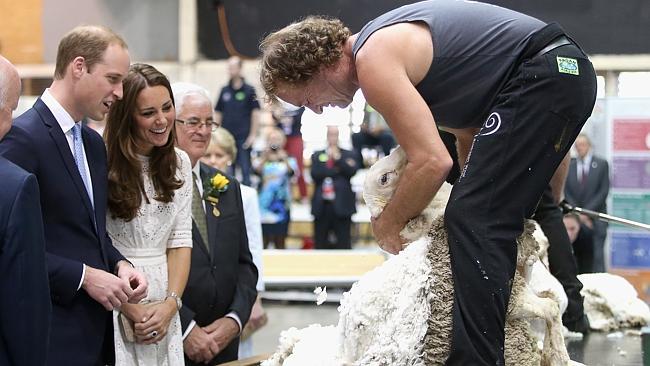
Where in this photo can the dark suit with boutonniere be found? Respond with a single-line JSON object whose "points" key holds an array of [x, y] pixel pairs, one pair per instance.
{"points": [[222, 278]]}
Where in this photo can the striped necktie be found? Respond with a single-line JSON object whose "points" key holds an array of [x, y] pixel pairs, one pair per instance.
{"points": [[198, 214], [79, 160]]}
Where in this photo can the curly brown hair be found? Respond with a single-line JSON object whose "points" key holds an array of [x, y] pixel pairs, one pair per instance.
{"points": [[295, 53], [125, 183]]}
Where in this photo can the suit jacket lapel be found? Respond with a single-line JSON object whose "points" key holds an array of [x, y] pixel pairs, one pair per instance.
{"points": [[198, 240], [64, 150]]}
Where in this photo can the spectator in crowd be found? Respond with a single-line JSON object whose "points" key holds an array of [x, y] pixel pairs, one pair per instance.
{"points": [[581, 238], [374, 132], [149, 204], [289, 121], [236, 111], [221, 288], [333, 202], [25, 308], [275, 168], [587, 186], [88, 277], [219, 155]]}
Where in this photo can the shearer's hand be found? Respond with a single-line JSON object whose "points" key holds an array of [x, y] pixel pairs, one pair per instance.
{"points": [[387, 233]]}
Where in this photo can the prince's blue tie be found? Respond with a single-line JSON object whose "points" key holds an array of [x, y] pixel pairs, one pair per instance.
{"points": [[77, 143]]}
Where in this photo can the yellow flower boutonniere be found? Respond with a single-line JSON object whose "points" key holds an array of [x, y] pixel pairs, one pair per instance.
{"points": [[212, 188]]}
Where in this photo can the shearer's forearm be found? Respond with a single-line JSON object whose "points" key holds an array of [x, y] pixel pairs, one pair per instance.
{"points": [[416, 188]]}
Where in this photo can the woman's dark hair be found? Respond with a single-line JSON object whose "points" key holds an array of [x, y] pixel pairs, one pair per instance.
{"points": [[125, 183]]}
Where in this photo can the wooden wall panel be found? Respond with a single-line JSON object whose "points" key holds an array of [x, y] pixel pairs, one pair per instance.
{"points": [[21, 34]]}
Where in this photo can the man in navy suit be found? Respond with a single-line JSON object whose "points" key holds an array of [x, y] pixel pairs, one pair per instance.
{"points": [[221, 290], [587, 186], [333, 202], [88, 277], [24, 305]]}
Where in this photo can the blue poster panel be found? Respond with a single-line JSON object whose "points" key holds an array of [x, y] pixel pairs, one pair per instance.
{"points": [[630, 250]]}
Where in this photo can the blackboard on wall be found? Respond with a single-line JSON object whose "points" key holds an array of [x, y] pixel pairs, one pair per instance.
{"points": [[600, 26]]}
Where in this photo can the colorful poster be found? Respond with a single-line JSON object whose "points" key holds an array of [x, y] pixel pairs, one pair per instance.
{"points": [[631, 135], [635, 207], [631, 172], [630, 250]]}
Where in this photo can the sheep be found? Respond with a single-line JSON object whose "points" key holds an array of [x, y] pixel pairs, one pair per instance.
{"points": [[400, 313], [381, 181]]}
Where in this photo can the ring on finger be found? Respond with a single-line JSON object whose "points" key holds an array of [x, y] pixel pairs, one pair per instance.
{"points": [[153, 334]]}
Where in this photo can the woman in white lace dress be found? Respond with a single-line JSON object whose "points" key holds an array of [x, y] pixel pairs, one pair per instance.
{"points": [[149, 216]]}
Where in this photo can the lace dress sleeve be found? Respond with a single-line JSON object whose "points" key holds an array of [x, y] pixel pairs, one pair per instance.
{"points": [[181, 235]]}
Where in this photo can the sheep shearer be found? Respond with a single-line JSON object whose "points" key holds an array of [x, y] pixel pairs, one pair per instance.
{"points": [[513, 90]]}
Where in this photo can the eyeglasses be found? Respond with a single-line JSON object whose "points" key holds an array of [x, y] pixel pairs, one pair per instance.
{"points": [[195, 123]]}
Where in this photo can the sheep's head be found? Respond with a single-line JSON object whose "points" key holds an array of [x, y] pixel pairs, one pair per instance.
{"points": [[380, 184], [381, 180]]}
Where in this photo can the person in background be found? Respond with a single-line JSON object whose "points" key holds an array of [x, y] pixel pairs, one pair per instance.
{"points": [[333, 202], [219, 155], [88, 277], [221, 288], [149, 205], [374, 132], [25, 309], [581, 238], [290, 122], [587, 186], [236, 109], [275, 168]]}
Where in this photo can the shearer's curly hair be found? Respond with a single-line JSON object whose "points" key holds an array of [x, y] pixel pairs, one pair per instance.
{"points": [[295, 53]]}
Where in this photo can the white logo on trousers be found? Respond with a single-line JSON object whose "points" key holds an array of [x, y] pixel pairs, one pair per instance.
{"points": [[491, 125]]}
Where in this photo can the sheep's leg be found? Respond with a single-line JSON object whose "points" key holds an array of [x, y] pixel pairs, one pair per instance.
{"points": [[554, 352], [528, 267]]}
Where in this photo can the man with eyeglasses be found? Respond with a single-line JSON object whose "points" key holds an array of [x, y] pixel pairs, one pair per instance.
{"points": [[195, 124], [220, 290]]}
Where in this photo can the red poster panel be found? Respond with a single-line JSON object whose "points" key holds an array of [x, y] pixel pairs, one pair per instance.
{"points": [[631, 134]]}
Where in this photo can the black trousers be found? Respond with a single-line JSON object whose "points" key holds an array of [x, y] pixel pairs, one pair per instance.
{"points": [[329, 223], [533, 121], [561, 260], [583, 248], [599, 236]]}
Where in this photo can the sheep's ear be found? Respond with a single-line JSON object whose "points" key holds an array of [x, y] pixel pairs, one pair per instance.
{"points": [[399, 154]]}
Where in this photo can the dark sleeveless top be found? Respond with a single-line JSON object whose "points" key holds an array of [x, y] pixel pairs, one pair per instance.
{"points": [[475, 46]]}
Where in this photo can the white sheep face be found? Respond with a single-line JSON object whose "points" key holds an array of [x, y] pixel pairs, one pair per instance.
{"points": [[379, 187], [381, 180]]}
